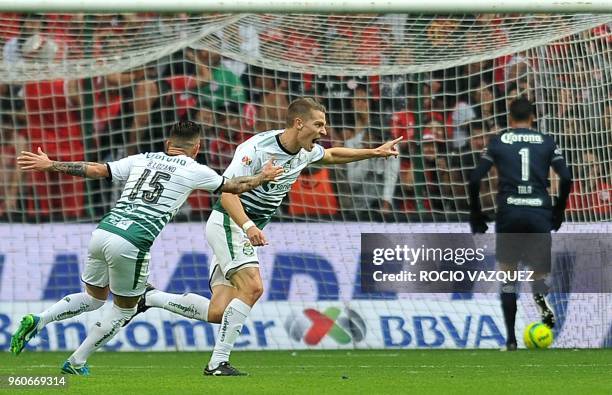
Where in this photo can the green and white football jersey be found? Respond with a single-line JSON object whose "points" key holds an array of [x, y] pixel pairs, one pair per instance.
{"points": [[261, 203], [156, 187]]}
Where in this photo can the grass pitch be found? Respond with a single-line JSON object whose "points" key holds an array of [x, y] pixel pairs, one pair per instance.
{"points": [[338, 372]]}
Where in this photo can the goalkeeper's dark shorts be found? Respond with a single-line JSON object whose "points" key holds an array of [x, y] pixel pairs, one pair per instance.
{"points": [[523, 236]]}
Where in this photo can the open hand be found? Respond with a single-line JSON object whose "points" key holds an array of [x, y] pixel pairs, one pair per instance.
{"points": [[37, 162], [271, 172]]}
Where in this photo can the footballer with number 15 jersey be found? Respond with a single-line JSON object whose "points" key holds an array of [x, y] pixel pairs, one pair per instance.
{"points": [[156, 185]]}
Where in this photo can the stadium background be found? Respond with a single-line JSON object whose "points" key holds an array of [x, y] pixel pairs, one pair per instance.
{"points": [[91, 87]]}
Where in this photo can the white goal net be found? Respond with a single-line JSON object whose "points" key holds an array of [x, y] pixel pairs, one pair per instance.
{"points": [[98, 87]]}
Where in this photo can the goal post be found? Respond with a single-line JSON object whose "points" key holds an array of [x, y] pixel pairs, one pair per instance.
{"points": [[332, 6]]}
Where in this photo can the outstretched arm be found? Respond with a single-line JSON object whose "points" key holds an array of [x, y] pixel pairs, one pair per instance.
{"points": [[339, 155], [242, 184], [41, 162]]}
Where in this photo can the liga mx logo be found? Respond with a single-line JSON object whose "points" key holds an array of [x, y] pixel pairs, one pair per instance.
{"points": [[312, 326]]}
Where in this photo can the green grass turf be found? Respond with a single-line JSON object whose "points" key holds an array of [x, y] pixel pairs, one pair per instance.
{"points": [[321, 372]]}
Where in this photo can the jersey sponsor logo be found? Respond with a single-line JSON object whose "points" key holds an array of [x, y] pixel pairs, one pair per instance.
{"points": [[534, 202], [511, 138], [164, 157], [343, 327], [270, 187]]}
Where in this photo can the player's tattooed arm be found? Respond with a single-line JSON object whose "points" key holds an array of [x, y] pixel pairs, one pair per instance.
{"points": [[78, 169], [242, 184], [41, 162]]}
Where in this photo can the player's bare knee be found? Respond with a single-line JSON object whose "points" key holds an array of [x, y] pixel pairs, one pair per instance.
{"points": [[251, 292], [249, 285]]}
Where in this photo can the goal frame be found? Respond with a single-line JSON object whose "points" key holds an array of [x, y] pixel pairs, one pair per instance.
{"points": [[310, 6]]}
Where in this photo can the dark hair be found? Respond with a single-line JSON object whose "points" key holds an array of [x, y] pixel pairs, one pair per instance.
{"points": [[301, 108], [521, 109], [185, 131]]}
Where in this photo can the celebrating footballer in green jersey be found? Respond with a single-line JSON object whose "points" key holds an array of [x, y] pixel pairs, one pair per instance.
{"points": [[235, 227]]}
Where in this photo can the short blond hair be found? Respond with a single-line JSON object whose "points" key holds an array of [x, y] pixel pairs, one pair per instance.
{"points": [[301, 108]]}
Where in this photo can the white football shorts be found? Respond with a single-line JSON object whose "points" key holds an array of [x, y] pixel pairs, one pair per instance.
{"points": [[114, 261], [232, 250]]}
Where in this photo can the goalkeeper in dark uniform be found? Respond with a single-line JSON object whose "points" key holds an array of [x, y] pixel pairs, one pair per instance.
{"points": [[525, 213]]}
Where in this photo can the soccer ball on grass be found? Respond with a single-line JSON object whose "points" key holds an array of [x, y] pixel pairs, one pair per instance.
{"points": [[537, 335]]}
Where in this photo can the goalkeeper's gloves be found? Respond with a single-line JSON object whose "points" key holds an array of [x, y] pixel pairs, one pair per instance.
{"points": [[478, 222], [558, 217]]}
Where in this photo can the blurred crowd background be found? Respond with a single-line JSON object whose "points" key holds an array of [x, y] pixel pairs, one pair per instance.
{"points": [[445, 116]]}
